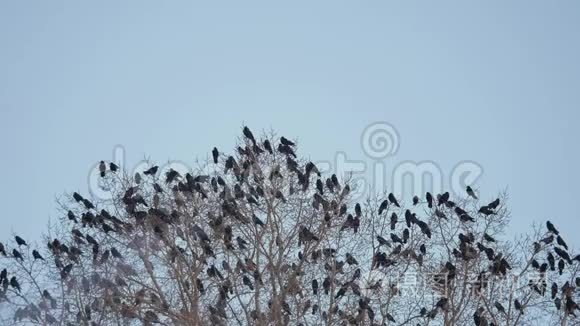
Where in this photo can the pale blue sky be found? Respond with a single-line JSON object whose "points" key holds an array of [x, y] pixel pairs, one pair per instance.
{"points": [[489, 81]]}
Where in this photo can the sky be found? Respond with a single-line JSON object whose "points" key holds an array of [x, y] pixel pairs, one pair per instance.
{"points": [[490, 82]]}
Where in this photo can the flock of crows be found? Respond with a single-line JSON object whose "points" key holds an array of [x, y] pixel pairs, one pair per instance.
{"points": [[248, 192]]}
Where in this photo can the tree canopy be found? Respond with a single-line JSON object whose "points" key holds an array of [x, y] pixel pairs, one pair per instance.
{"points": [[262, 237]]}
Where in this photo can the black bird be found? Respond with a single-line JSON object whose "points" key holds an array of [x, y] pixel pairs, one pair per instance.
{"points": [[440, 214], [415, 200], [102, 168], [554, 290], [563, 254], [351, 260], [552, 228], [393, 200], [561, 242], [382, 241], [395, 238], [171, 175], [320, 186], [341, 292], [71, 216], [215, 155], [518, 306], [36, 255], [286, 142], [443, 198], [114, 167], [394, 219], [357, 209], [20, 241], [249, 135], [470, 192], [429, 198], [258, 221], [268, 146], [314, 287], [88, 204], [551, 261], [151, 171], [499, 307], [77, 197], [494, 204], [383, 206], [488, 238], [14, 283], [2, 249], [17, 254]]}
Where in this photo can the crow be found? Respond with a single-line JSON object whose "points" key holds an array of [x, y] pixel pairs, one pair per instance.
{"points": [[443, 199], [151, 171], [77, 197], [215, 155], [20, 241], [17, 254], [268, 146], [383, 206], [102, 168], [286, 142], [2, 249], [249, 135], [36, 255], [499, 307], [314, 287], [382, 241], [393, 200], [415, 200], [113, 167], [394, 219], [470, 192], [494, 204], [258, 221], [552, 228], [488, 238], [429, 198], [14, 283], [563, 254], [561, 242]]}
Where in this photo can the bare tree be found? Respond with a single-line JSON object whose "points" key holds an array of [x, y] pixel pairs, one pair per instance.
{"points": [[262, 238]]}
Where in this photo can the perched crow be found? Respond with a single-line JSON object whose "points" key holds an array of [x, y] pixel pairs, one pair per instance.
{"points": [[14, 283], [77, 197], [286, 142], [470, 192], [429, 198], [383, 206], [415, 200], [552, 228], [382, 241], [20, 241], [561, 242], [215, 154], [36, 255], [268, 146], [17, 254], [249, 135], [102, 168], [151, 171], [393, 200], [113, 167]]}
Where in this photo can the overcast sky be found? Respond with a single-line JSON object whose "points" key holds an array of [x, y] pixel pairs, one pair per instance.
{"points": [[491, 82]]}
